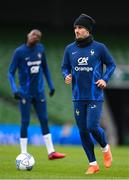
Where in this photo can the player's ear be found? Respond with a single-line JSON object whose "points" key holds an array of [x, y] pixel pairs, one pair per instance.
{"points": [[28, 35]]}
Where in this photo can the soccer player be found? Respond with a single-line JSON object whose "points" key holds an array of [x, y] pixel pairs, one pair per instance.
{"points": [[30, 61], [82, 65]]}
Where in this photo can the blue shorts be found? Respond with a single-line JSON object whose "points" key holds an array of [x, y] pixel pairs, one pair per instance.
{"points": [[87, 114], [41, 111]]}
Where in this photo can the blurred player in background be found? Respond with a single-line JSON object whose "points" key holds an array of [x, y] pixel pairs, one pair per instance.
{"points": [[30, 61], [82, 65]]}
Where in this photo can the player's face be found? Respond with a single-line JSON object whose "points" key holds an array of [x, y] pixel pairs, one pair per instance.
{"points": [[81, 32], [33, 37]]}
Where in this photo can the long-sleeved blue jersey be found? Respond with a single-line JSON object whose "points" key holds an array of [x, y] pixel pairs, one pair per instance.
{"points": [[87, 66], [31, 64]]}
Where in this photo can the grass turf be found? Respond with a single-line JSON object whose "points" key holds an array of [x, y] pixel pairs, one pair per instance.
{"points": [[71, 167]]}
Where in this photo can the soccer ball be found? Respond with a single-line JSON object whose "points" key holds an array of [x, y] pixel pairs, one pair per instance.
{"points": [[25, 161]]}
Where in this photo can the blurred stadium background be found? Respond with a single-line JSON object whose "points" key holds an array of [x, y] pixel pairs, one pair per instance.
{"points": [[55, 19]]}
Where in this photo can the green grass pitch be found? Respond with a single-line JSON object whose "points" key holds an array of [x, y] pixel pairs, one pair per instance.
{"points": [[71, 167]]}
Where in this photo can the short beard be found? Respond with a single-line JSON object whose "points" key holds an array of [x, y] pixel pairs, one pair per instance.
{"points": [[83, 42], [79, 39]]}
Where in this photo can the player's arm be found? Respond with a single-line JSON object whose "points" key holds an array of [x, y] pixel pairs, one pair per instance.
{"points": [[47, 74], [11, 74], [68, 79], [66, 68], [109, 62], [101, 83]]}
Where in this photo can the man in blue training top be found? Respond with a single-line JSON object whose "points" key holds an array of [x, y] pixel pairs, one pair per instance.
{"points": [[82, 65], [30, 61]]}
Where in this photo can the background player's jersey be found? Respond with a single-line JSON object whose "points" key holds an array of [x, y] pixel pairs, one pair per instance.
{"points": [[31, 64], [86, 66]]}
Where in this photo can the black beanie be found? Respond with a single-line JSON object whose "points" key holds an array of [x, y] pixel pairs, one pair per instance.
{"points": [[85, 21]]}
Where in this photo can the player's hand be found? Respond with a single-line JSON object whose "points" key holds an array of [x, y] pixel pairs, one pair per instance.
{"points": [[17, 95], [101, 83], [52, 92], [68, 79]]}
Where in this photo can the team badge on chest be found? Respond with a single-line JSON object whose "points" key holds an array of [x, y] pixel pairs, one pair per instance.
{"points": [[39, 55]]}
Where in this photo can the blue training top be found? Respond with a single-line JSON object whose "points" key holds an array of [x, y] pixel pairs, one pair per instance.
{"points": [[31, 64], [86, 66]]}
